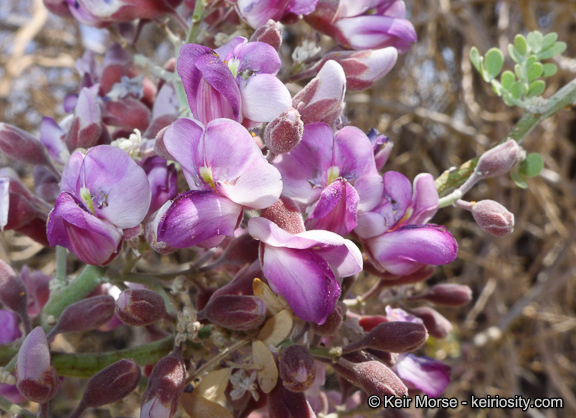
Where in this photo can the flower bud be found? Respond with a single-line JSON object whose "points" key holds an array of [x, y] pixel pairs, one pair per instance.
{"points": [[164, 388], [297, 369], [111, 384], [285, 132], [372, 376], [332, 324], [86, 128], [85, 315], [436, 324], [286, 214], [37, 379], [21, 146], [395, 336], [270, 33], [19, 205], [285, 403], [46, 184], [139, 307], [12, 290], [447, 294], [493, 218], [322, 100], [235, 312], [163, 181], [499, 160]]}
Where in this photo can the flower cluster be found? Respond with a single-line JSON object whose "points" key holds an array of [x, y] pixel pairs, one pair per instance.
{"points": [[274, 188]]}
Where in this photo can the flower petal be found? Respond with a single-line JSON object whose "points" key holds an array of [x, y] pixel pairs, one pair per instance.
{"points": [[264, 97], [197, 216], [425, 200], [304, 279], [406, 249], [336, 209], [429, 375]]}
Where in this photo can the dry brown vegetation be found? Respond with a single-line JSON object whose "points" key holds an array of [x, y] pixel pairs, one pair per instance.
{"points": [[518, 335]]}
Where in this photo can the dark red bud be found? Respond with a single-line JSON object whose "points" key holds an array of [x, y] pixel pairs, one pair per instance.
{"points": [[499, 160], [139, 307], [332, 324], [286, 214], [373, 377], [447, 294], [270, 33], [13, 292], [40, 390], [394, 336], [85, 315], [297, 369], [164, 387], [436, 324], [283, 403], [235, 312], [111, 384], [493, 218], [285, 132], [21, 146]]}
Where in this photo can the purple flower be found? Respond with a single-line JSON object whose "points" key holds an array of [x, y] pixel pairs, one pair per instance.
{"points": [[364, 24], [429, 375], [395, 233], [304, 268], [257, 12], [236, 81], [102, 193], [221, 183], [163, 180], [9, 332], [333, 174]]}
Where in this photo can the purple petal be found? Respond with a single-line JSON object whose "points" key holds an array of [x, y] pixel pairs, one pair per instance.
{"points": [[51, 135], [375, 32], [34, 355], [398, 191], [4, 201], [9, 330], [257, 12], [258, 57], [119, 186], [71, 173], [229, 46], [369, 188], [271, 234], [425, 200], [197, 216], [353, 154], [304, 279], [264, 97], [70, 225], [429, 375], [242, 173], [406, 249], [336, 209], [11, 393], [302, 7]]}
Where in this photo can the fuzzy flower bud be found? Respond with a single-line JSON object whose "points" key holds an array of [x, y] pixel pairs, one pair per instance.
{"points": [[395, 336], [285, 132], [270, 33], [297, 368], [85, 315], [286, 214], [332, 324], [493, 218], [164, 387], [109, 385], [235, 312], [21, 146], [37, 379], [436, 324], [372, 376], [499, 160], [140, 307], [447, 294], [13, 293]]}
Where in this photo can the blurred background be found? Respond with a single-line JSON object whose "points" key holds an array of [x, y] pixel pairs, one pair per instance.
{"points": [[518, 335]]}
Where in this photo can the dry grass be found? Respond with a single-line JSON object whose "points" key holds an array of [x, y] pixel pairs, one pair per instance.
{"points": [[518, 334]]}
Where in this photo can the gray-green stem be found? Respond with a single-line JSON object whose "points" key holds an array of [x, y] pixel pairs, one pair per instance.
{"points": [[14, 410], [452, 179]]}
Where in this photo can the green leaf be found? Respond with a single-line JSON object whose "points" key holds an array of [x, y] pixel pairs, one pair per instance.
{"points": [[555, 49], [535, 40], [475, 58], [497, 87], [507, 79], [536, 88], [532, 165], [518, 179], [549, 70], [531, 60], [508, 100], [534, 71], [549, 40], [518, 71], [517, 89], [514, 54], [493, 62], [520, 44]]}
